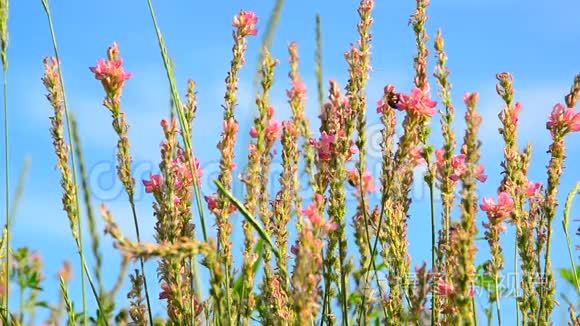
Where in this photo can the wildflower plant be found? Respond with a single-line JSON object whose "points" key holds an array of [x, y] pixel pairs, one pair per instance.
{"points": [[307, 259]]}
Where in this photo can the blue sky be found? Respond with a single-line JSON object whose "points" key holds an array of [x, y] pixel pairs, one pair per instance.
{"points": [[537, 41]]}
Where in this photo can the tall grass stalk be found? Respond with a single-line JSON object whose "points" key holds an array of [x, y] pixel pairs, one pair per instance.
{"points": [[567, 210], [269, 34], [83, 265], [4, 9], [318, 65], [87, 203], [19, 191], [185, 133]]}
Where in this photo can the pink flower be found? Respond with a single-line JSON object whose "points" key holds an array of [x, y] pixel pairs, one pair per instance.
{"points": [[532, 187], [317, 221], [212, 202], [418, 103], [380, 106], [515, 113], [111, 72], [298, 90], [444, 289], [562, 118], [479, 173], [230, 126], [273, 130], [253, 133], [153, 184], [458, 166], [246, 22], [325, 146], [50, 69], [329, 226], [470, 99], [498, 211], [368, 182], [439, 155], [311, 212], [417, 155]]}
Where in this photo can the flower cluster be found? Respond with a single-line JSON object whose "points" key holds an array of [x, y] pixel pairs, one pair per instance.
{"points": [[500, 210], [326, 146], [418, 103], [246, 22], [111, 72], [563, 120], [458, 166], [297, 91], [313, 218]]}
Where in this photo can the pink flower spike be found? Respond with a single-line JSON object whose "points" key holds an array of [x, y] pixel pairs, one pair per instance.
{"points": [[111, 72], [458, 166], [498, 211], [418, 103], [298, 90], [325, 146], [273, 130], [470, 99], [246, 22], [563, 119], [153, 184], [311, 213], [504, 200], [532, 187]]}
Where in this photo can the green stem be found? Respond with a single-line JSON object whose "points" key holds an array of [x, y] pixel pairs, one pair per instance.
{"points": [[318, 66], [7, 192], [73, 158], [433, 247], [343, 282], [497, 298], [20, 309], [474, 310], [567, 210], [516, 284], [185, 132], [141, 260], [79, 242]]}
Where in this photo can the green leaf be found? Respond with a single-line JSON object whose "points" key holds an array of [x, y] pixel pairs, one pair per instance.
{"points": [[259, 249], [568, 275]]}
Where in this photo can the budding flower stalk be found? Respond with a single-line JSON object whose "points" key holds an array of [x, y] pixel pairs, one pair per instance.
{"points": [[244, 25]]}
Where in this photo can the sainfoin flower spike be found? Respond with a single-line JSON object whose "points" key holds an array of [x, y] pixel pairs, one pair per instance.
{"points": [[246, 22], [418, 103], [110, 71], [563, 119], [499, 210]]}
